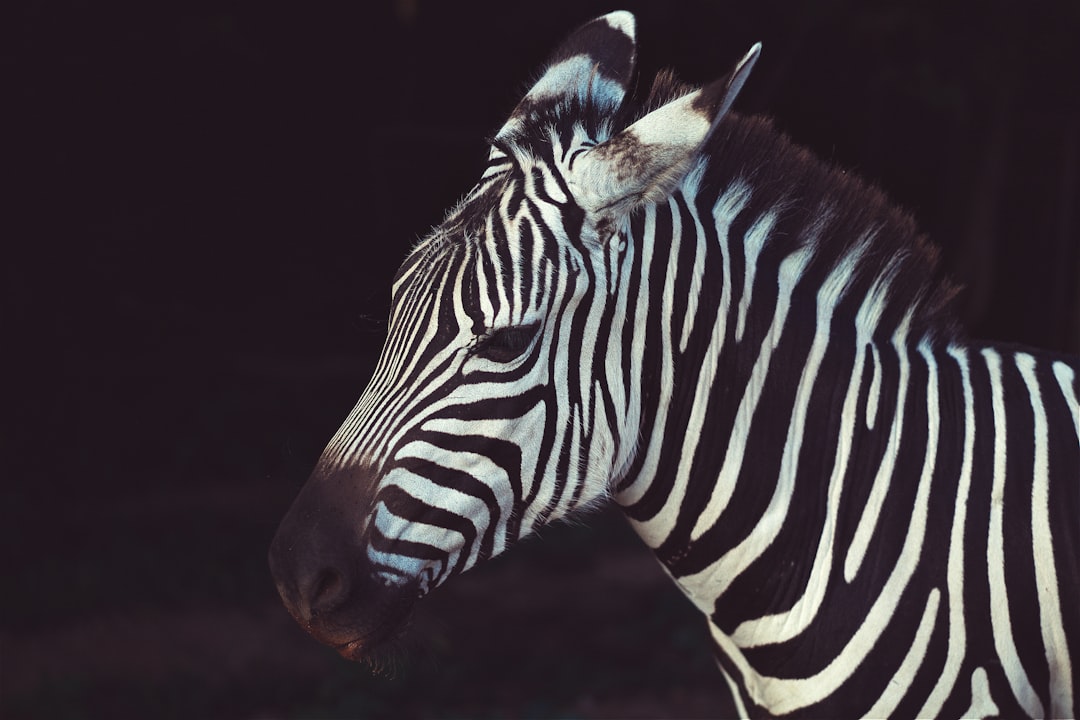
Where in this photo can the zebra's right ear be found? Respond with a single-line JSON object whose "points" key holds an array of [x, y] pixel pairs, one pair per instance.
{"points": [[592, 69], [647, 161]]}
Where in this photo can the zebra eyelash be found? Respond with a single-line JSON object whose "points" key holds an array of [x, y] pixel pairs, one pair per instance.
{"points": [[505, 344]]}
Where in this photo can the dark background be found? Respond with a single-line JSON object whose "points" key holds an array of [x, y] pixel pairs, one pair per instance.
{"points": [[206, 204]]}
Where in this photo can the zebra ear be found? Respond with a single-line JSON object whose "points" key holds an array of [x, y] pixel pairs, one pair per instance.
{"points": [[593, 68], [647, 161]]}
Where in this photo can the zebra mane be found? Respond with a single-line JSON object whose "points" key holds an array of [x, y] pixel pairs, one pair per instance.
{"points": [[782, 174], [666, 87]]}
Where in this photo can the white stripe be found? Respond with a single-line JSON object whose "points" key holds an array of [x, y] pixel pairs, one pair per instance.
{"points": [[880, 487], [736, 695], [1000, 621], [689, 191], [955, 568], [511, 226], [1065, 377], [756, 237], [618, 386], [874, 393], [982, 704], [866, 323], [575, 470], [603, 469], [791, 270], [1046, 581], [494, 283], [674, 264]]}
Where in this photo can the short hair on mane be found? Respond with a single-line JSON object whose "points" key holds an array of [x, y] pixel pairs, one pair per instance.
{"points": [[783, 174]]}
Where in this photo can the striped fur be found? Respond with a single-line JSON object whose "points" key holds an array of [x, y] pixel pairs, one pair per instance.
{"points": [[752, 353]]}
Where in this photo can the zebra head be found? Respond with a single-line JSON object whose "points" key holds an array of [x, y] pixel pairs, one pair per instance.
{"points": [[499, 401]]}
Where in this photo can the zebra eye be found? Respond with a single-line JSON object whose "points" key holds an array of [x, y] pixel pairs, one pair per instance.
{"points": [[505, 344]]}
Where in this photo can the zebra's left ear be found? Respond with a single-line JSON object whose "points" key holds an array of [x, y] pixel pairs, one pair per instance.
{"points": [[591, 69], [647, 161]]}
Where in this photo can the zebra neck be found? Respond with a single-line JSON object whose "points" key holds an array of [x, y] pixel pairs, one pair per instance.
{"points": [[768, 266], [761, 447], [728, 325], [778, 376]]}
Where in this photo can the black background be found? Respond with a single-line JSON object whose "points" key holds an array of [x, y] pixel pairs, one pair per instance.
{"points": [[206, 202]]}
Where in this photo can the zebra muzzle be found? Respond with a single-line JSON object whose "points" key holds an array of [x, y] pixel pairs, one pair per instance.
{"points": [[319, 563]]}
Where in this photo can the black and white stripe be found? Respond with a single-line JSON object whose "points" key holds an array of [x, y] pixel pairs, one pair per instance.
{"points": [[750, 352]]}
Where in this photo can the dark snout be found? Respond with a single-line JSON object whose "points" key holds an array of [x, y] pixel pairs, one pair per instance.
{"points": [[319, 563]]}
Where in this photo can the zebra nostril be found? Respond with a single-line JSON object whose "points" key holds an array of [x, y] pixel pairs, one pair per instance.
{"points": [[328, 591]]}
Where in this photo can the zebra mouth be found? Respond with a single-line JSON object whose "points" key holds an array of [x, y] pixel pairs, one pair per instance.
{"points": [[355, 650], [372, 647], [357, 630], [363, 642]]}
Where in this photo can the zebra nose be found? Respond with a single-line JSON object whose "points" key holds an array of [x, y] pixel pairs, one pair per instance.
{"points": [[327, 591], [310, 584], [315, 556]]}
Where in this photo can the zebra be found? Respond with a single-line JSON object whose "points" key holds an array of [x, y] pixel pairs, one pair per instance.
{"points": [[672, 307]]}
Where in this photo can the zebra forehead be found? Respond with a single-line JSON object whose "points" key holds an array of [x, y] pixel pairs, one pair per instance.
{"points": [[437, 252], [463, 222]]}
